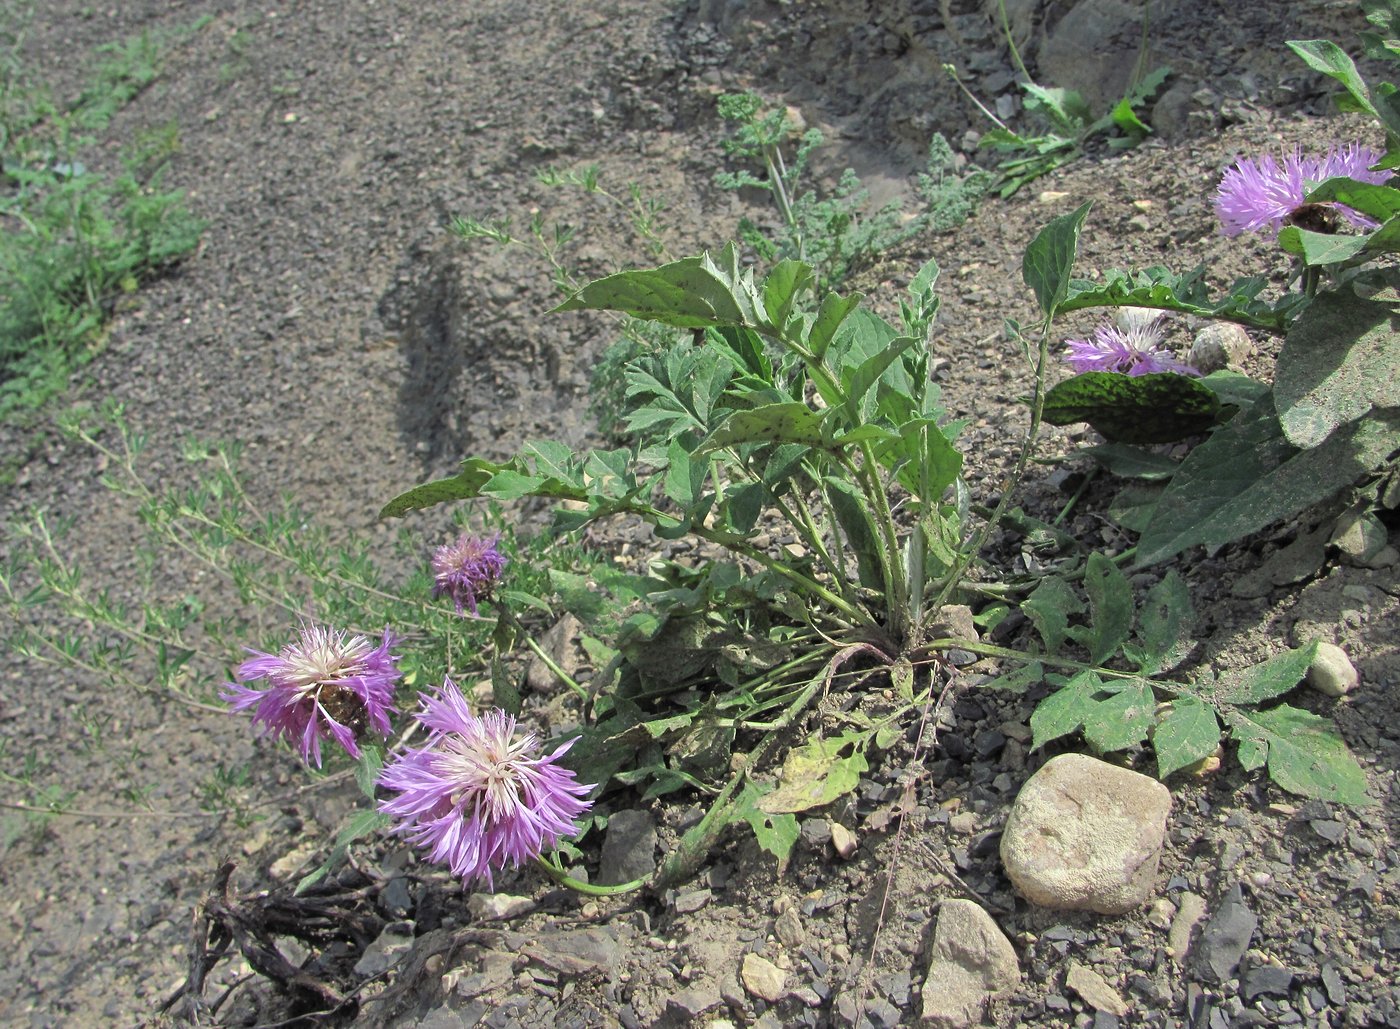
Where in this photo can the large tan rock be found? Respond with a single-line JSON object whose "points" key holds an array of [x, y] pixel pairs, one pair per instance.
{"points": [[1084, 835], [972, 964]]}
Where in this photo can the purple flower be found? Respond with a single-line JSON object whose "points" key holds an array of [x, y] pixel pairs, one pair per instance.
{"points": [[1262, 195], [323, 685], [467, 569], [475, 797], [1131, 346]]}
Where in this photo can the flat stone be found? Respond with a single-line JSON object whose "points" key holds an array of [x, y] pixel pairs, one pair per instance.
{"points": [[575, 952], [387, 950], [971, 964], [1191, 910], [694, 1001], [1226, 937], [1269, 980], [762, 978], [1094, 991], [1084, 835], [629, 848], [495, 907]]}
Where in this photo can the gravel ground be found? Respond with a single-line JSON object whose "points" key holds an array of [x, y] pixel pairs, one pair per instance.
{"points": [[332, 326]]}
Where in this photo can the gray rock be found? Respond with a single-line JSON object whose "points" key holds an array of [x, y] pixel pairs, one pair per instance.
{"points": [[1093, 49], [629, 848], [1226, 937], [1269, 980], [575, 952], [1332, 672], [561, 643], [694, 1001], [387, 950], [971, 964], [1084, 835]]}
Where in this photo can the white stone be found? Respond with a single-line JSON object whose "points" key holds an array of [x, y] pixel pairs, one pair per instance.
{"points": [[972, 963], [1332, 672], [496, 907], [1095, 992], [1084, 835]]}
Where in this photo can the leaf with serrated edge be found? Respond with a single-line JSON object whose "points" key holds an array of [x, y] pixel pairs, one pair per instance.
{"points": [[1048, 607], [1065, 710], [1165, 619], [1268, 679], [776, 833], [814, 775], [1021, 678], [1110, 609], [1187, 733], [1304, 756], [1121, 720]]}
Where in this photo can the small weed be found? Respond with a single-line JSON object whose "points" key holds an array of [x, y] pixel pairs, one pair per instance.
{"points": [[72, 241]]}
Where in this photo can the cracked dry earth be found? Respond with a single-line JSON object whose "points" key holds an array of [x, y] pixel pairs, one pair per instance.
{"points": [[331, 325]]}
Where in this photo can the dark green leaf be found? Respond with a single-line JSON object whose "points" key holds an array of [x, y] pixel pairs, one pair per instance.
{"points": [[465, 485], [1327, 57], [1233, 388], [1189, 732], [791, 422], [1247, 476], [1320, 248], [1021, 678], [775, 833], [693, 293], [782, 286], [1129, 462], [1110, 609], [1049, 260], [1379, 202], [1340, 360], [1133, 506], [852, 511], [833, 311], [1158, 408]]}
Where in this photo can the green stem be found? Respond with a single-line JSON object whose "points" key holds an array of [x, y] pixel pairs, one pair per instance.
{"points": [[557, 873]]}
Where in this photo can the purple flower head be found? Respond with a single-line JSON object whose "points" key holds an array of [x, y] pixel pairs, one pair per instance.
{"points": [[467, 569], [1131, 346], [1262, 195], [475, 797], [322, 685]]}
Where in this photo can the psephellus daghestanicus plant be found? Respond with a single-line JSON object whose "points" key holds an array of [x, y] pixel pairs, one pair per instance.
{"points": [[797, 439]]}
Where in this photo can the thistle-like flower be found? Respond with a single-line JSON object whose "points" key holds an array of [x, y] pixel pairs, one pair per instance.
{"points": [[1132, 346], [467, 569], [322, 685], [475, 797], [1264, 195]]}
